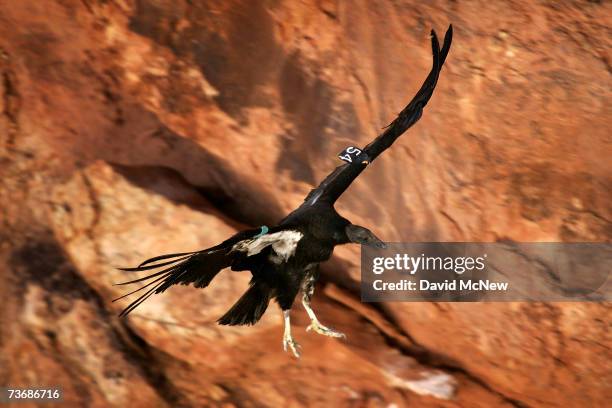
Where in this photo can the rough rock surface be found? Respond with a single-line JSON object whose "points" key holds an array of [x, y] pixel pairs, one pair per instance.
{"points": [[132, 128]]}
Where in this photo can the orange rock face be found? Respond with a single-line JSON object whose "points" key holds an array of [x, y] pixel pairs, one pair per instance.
{"points": [[131, 128]]}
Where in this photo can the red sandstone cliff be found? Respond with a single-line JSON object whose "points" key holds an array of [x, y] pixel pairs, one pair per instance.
{"points": [[132, 128]]}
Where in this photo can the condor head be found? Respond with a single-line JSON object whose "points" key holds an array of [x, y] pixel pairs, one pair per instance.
{"points": [[362, 235]]}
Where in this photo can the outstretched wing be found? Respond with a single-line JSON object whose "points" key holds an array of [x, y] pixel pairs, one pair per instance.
{"points": [[338, 181], [200, 267]]}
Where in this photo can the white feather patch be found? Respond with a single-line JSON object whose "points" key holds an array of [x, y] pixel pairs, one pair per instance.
{"points": [[283, 243]]}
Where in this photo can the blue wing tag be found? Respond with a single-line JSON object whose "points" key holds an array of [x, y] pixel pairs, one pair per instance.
{"points": [[263, 231], [352, 154]]}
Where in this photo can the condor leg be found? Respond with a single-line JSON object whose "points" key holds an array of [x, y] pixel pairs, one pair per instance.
{"points": [[315, 325], [288, 341]]}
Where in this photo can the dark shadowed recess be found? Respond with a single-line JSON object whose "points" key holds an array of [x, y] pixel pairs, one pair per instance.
{"points": [[236, 196], [146, 142], [171, 184]]}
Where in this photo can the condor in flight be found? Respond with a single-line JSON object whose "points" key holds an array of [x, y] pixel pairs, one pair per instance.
{"points": [[284, 259]]}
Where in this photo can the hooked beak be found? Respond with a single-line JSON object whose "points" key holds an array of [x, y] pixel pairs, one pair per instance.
{"points": [[377, 244]]}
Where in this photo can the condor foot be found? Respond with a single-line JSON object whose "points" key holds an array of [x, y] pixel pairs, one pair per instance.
{"points": [[325, 331], [289, 343]]}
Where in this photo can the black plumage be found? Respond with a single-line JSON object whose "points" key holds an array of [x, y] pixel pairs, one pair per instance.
{"points": [[284, 259]]}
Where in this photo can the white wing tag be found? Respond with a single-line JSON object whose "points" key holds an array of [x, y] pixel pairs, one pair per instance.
{"points": [[353, 155]]}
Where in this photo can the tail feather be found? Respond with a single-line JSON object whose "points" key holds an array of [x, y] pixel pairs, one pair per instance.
{"points": [[249, 308]]}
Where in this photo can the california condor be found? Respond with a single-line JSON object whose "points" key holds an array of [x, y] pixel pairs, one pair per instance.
{"points": [[284, 259]]}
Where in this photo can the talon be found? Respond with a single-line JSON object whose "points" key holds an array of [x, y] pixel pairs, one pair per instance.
{"points": [[325, 331], [293, 345]]}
